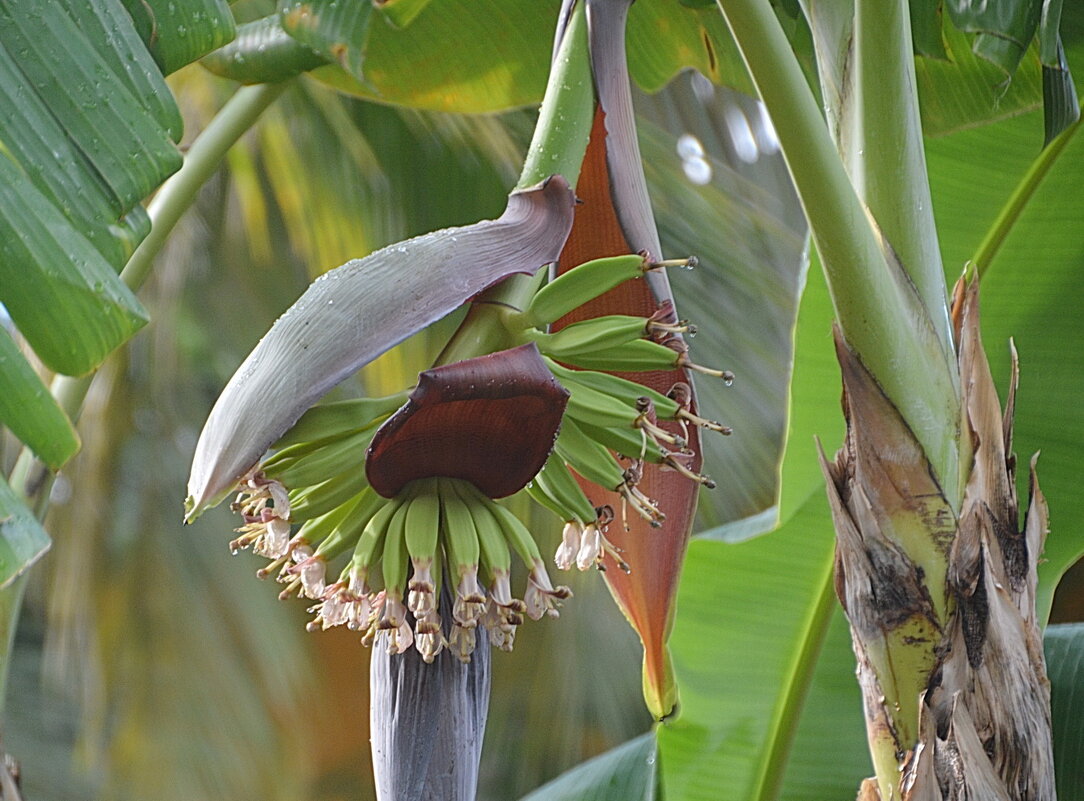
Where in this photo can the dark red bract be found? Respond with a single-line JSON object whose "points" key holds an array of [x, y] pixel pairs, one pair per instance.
{"points": [[491, 420]]}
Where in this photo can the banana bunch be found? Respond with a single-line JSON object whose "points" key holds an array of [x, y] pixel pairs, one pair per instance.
{"points": [[397, 551], [436, 529], [611, 424], [310, 504]]}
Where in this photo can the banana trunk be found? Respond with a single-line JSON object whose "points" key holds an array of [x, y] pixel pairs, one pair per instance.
{"points": [[942, 605]]}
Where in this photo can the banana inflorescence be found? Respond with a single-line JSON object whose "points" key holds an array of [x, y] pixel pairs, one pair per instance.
{"points": [[397, 551]]}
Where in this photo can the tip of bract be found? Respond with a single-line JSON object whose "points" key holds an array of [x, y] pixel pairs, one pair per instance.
{"points": [[190, 511], [660, 688], [195, 505]]}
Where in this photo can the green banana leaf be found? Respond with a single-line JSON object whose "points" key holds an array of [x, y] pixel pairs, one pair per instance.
{"points": [[337, 31], [75, 164], [1030, 265], [65, 298], [22, 539], [401, 12], [1003, 30], [425, 64], [627, 773], [1064, 647], [29, 411], [178, 32]]}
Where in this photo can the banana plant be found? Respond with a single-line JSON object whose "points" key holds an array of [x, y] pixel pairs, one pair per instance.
{"points": [[481, 425], [948, 642], [520, 330]]}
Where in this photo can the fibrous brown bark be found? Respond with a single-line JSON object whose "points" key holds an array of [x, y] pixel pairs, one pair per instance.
{"points": [[942, 604]]}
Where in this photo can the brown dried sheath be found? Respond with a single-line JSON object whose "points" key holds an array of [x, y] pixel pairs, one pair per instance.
{"points": [[491, 420]]}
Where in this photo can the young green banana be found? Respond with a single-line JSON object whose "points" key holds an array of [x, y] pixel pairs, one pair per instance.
{"points": [[642, 355], [633, 443], [303, 465], [333, 420], [515, 533], [555, 480], [587, 457], [394, 567], [317, 531], [598, 333], [615, 386], [496, 557], [422, 541], [461, 545], [356, 515], [370, 547], [318, 499], [460, 537], [539, 495], [598, 408], [575, 287]]}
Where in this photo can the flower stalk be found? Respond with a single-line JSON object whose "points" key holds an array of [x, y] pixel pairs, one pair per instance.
{"points": [[412, 552]]}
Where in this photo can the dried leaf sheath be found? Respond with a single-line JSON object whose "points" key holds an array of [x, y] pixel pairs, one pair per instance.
{"points": [[354, 313], [942, 611]]}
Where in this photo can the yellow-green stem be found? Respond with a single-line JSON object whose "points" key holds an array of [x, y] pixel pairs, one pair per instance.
{"points": [[884, 150], [557, 148], [880, 313]]}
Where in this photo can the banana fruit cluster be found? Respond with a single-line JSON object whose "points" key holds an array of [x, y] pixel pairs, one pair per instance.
{"points": [[399, 549], [310, 504], [611, 424]]}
